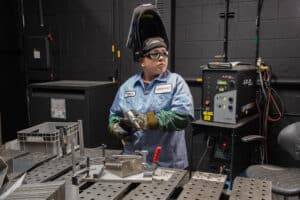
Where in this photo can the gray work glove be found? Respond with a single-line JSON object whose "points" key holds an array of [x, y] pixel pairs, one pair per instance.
{"points": [[119, 131]]}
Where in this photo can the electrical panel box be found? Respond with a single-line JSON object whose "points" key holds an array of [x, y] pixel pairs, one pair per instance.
{"points": [[40, 58], [69, 101], [38, 53], [229, 94]]}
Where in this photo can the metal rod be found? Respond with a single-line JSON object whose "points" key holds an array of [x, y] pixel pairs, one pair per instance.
{"points": [[81, 139], [73, 155], [226, 32], [257, 36], [103, 150], [22, 13], [41, 13], [172, 35]]}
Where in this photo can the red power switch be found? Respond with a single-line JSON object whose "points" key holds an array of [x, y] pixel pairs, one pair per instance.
{"points": [[206, 102]]}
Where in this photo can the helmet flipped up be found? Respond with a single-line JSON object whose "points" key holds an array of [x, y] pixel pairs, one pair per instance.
{"points": [[145, 23]]}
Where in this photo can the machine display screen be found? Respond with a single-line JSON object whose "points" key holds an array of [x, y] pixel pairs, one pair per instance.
{"points": [[222, 82]]}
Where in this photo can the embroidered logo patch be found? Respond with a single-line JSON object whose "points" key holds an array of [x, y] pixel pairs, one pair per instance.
{"points": [[165, 88]]}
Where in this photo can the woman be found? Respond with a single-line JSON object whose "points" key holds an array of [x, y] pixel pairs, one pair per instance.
{"points": [[162, 105]]}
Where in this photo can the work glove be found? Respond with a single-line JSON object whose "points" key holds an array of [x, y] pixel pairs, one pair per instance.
{"points": [[120, 130], [140, 121]]}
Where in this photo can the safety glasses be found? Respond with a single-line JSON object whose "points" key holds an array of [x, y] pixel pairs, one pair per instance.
{"points": [[156, 55]]}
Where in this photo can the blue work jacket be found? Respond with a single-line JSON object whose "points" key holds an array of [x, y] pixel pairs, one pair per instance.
{"points": [[167, 92]]}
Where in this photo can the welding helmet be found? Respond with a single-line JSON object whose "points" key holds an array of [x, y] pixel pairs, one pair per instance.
{"points": [[145, 23]]}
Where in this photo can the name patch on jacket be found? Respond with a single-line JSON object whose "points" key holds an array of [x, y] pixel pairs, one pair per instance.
{"points": [[129, 94], [165, 88]]}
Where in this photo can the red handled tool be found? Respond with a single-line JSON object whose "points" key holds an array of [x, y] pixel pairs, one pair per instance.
{"points": [[156, 155], [149, 169]]}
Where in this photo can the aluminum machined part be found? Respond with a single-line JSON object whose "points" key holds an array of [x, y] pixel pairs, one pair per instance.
{"points": [[105, 190], [96, 154], [157, 189], [249, 188], [203, 186], [124, 165]]}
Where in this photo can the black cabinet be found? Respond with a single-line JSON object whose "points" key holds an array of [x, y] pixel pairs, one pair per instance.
{"points": [[224, 152], [69, 100]]}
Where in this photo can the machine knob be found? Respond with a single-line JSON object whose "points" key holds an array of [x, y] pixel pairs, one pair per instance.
{"points": [[206, 102], [232, 83]]}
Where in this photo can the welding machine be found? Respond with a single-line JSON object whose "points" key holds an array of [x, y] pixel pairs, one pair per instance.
{"points": [[229, 92]]}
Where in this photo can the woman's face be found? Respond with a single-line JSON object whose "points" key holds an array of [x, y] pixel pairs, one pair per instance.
{"points": [[155, 62]]}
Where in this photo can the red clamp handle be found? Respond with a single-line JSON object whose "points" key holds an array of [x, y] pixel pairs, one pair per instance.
{"points": [[156, 155]]}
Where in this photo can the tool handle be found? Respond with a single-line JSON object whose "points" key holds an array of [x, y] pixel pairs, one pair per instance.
{"points": [[156, 155]]}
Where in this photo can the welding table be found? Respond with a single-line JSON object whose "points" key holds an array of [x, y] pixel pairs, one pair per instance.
{"points": [[202, 186]]}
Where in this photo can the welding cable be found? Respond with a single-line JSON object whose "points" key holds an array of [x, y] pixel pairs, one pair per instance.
{"points": [[208, 146], [280, 100], [258, 101], [265, 118], [271, 100], [262, 84], [265, 131]]}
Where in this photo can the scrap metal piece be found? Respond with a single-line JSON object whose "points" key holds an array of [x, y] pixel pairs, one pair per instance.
{"points": [[89, 174], [41, 191], [157, 189], [3, 171], [12, 187], [9, 154], [105, 190], [93, 153], [81, 139], [250, 188], [203, 186], [124, 165]]}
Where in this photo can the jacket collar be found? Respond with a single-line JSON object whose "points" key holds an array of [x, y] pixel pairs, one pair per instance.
{"points": [[161, 78]]}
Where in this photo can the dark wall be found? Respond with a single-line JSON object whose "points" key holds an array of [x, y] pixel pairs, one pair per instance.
{"points": [[82, 36], [200, 31], [12, 76], [199, 37]]}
